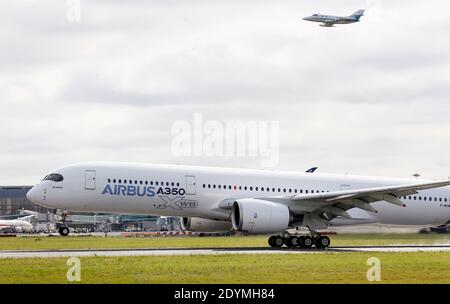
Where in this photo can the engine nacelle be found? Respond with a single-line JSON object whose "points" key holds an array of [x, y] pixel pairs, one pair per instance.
{"points": [[259, 216], [197, 224]]}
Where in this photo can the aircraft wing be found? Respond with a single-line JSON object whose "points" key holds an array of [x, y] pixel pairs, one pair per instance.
{"points": [[328, 23], [27, 218], [328, 205], [362, 198]]}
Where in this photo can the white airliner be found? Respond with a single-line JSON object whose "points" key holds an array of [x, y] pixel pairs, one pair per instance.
{"points": [[253, 201], [330, 21], [20, 224]]}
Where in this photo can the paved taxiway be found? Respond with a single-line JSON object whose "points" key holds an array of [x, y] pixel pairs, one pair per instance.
{"points": [[212, 251]]}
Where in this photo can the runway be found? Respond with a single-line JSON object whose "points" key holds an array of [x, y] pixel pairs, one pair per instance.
{"points": [[213, 251]]}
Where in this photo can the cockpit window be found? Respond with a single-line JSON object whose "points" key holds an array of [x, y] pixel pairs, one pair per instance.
{"points": [[54, 177]]}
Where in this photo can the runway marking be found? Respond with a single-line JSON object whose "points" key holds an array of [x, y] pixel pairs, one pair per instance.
{"points": [[213, 251]]}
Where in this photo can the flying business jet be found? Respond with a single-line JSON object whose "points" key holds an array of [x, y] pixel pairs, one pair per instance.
{"points": [[330, 21], [252, 201], [20, 224]]}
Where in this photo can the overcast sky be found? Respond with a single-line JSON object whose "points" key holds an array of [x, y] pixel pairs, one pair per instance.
{"points": [[368, 98]]}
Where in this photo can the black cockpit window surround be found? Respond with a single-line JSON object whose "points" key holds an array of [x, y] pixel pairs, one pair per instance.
{"points": [[54, 177]]}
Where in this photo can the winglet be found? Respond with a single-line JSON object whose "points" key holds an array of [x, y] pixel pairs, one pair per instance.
{"points": [[311, 170]]}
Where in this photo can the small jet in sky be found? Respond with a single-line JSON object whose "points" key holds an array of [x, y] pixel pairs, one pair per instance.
{"points": [[330, 21]]}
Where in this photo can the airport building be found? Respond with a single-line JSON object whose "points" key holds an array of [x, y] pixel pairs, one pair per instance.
{"points": [[14, 204]]}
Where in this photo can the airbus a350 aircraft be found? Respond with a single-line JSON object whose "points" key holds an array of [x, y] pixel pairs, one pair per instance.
{"points": [[330, 21], [20, 224], [252, 201]]}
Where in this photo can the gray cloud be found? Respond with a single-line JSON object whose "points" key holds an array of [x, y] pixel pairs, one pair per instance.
{"points": [[369, 98]]}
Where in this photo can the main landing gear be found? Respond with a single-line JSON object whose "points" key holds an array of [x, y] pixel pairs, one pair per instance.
{"points": [[63, 229], [302, 241]]}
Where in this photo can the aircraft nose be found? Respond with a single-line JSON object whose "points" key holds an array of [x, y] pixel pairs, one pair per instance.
{"points": [[32, 195]]}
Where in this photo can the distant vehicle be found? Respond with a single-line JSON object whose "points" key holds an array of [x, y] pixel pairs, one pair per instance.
{"points": [[20, 224], [330, 21]]}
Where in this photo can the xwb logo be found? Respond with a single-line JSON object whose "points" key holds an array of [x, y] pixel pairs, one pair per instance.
{"points": [[177, 203]]}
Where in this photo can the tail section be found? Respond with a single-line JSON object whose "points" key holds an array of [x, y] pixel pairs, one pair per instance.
{"points": [[357, 14]]}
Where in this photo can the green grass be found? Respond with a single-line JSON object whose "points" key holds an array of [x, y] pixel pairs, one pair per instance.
{"points": [[418, 267], [36, 243]]}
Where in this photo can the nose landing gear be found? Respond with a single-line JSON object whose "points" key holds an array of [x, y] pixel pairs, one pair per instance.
{"points": [[63, 229]]}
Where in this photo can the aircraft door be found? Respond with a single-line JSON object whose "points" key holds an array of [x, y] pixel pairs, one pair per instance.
{"points": [[190, 185], [89, 180]]}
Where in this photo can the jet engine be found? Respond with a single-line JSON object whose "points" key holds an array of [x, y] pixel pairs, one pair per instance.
{"points": [[197, 224], [259, 216]]}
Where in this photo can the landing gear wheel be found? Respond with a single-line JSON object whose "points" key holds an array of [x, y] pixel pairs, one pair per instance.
{"points": [[301, 241], [278, 241], [292, 241], [271, 241], [322, 242], [307, 242], [64, 231]]}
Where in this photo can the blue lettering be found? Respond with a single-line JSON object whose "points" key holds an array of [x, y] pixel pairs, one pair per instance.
{"points": [[150, 191], [131, 190], [121, 190], [139, 193], [107, 190]]}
